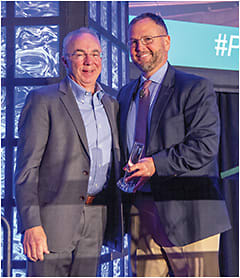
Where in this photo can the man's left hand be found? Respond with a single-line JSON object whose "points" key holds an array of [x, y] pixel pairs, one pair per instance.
{"points": [[145, 169]]}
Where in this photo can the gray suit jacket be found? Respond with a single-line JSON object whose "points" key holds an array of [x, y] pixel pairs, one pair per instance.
{"points": [[183, 141], [53, 165]]}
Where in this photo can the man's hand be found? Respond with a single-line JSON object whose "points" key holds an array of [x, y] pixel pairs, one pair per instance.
{"points": [[145, 169], [35, 243]]}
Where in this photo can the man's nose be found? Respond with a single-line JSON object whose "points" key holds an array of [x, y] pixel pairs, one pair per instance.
{"points": [[139, 46], [88, 59]]}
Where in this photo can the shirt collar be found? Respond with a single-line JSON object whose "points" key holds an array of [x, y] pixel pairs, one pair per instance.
{"points": [[79, 92], [158, 76]]}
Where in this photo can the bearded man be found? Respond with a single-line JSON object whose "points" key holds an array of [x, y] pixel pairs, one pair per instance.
{"points": [[175, 212]]}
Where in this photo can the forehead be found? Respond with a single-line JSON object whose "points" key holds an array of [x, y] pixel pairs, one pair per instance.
{"points": [[145, 27], [86, 42]]}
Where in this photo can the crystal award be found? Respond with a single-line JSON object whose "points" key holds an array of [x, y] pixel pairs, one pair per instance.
{"points": [[134, 157]]}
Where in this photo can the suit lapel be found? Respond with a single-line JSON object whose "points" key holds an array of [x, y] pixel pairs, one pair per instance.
{"points": [[161, 103], [124, 113], [71, 106], [110, 111]]}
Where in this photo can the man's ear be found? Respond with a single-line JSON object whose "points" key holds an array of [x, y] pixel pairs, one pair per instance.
{"points": [[167, 42], [64, 61]]}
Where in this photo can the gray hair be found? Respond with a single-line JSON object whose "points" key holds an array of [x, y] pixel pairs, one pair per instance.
{"points": [[78, 32]]}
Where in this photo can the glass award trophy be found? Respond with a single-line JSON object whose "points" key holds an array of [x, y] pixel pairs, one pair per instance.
{"points": [[135, 156]]}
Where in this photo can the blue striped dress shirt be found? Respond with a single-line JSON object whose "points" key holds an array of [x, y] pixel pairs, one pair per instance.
{"points": [[98, 133]]}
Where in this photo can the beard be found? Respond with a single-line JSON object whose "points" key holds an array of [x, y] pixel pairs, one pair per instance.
{"points": [[152, 64]]}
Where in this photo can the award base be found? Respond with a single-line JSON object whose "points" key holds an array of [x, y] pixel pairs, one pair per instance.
{"points": [[126, 187]]}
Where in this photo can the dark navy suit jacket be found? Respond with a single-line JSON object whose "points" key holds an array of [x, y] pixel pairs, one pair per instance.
{"points": [[183, 141]]}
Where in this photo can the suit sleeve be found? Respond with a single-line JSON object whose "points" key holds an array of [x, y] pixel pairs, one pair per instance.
{"points": [[200, 143], [33, 135]]}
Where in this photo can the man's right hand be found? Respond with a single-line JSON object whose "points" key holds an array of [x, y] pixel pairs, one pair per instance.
{"points": [[35, 243]]}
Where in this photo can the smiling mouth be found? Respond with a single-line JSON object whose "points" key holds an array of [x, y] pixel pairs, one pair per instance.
{"points": [[88, 71], [143, 55]]}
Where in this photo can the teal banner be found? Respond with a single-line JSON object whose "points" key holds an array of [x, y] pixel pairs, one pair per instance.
{"points": [[203, 45]]}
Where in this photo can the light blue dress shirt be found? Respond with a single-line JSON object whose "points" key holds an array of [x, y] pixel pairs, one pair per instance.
{"points": [[98, 133], [154, 87]]}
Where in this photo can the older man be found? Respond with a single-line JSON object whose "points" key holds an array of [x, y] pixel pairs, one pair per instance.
{"points": [[67, 162], [176, 210]]}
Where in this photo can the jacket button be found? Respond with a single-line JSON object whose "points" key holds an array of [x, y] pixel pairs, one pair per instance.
{"points": [[85, 173], [82, 198]]}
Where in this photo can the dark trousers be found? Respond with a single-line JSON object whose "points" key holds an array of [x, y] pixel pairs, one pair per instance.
{"points": [[82, 261]]}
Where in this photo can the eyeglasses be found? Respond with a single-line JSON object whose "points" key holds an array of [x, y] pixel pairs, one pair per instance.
{"points": [[81, 55], [144, 40]]}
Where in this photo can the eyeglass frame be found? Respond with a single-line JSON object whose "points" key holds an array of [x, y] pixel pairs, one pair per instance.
{"points": [[84, 54], [131, 42]]}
